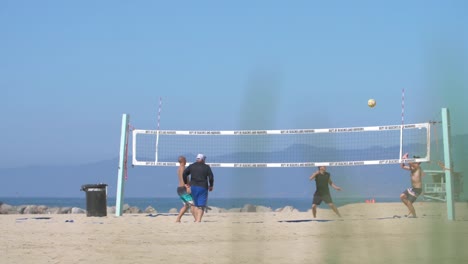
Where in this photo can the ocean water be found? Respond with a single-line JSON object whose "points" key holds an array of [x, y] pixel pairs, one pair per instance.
{"points": [[165, 204]]}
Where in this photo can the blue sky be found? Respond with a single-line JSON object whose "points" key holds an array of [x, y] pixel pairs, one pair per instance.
{"points": [[70, 69]]}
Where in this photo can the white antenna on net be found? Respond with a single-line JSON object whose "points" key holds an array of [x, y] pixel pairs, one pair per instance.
{"points": [[402, 121], [159, 122]]}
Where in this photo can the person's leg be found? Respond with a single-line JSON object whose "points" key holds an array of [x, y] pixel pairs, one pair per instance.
{"points": [[333, 207], [314, 210], [203, 198], [412, 210], [187, 200], [195, 196], [201, 211], [192, 210], [199, 195], [316, 201], [197, 213], [408, 203], [327, 198], [182, 212], [190, 205]]}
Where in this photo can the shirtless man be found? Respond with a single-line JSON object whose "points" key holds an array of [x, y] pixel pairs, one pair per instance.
{"points": [[411, 194], [183, 190]]}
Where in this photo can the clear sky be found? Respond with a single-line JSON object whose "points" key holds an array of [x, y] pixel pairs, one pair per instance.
{"points": [[70, 69]]}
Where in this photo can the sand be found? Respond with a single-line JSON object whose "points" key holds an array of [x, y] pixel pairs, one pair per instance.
{"points": [[367, 233]]}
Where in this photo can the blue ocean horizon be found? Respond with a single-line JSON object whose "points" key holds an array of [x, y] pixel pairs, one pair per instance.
{"points": [[164, 204]]}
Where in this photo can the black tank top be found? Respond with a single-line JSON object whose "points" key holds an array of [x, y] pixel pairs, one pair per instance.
{"points": [[321, 181]]}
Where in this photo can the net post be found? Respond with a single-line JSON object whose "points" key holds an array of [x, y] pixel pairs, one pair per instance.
{"points": [[447, 164], [122, 166]]}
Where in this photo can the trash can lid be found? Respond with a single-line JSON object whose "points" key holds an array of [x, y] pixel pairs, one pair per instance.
{"points": [[88, 186]]}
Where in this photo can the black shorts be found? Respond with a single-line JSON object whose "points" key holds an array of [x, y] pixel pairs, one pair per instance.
{"points": [[412, 194], [318, 198]]}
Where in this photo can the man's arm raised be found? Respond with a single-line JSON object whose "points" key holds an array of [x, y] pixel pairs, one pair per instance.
{"points": [[313, 175], [403, 165]]}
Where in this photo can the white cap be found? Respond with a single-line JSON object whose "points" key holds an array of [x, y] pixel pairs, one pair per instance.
{"points": [[201, 157]]}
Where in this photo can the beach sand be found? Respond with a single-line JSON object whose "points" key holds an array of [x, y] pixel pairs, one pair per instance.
{"points": [[367, 233]]}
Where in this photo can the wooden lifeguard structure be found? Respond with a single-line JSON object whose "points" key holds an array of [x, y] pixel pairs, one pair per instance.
{"points": [[435, 188], [434, 185]]}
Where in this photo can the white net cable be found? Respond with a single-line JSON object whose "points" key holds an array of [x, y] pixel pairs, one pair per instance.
{"points": [[284, 148]]}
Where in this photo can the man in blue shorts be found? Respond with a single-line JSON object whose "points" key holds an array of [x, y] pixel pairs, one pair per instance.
{"points": [[322, 180], [183, 190], [201, 182]]}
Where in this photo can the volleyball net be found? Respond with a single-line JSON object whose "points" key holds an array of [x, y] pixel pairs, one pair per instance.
{"points": [[372, 145]]}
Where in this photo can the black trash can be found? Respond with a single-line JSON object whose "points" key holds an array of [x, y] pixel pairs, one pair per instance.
{"points": [[96, 199]]}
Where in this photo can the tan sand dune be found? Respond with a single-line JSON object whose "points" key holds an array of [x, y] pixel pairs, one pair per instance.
{"points": [[367, 233]]}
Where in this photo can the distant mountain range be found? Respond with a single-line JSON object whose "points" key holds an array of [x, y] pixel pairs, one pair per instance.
{"points": [[302, 153], [356, 181]]}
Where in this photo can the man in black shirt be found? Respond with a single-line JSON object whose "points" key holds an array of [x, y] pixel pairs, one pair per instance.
{"points": [[322, 180], [201, 181]]}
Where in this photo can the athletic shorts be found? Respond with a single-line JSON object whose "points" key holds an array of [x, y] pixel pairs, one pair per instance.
{"points": [[318, 198], [412, 194], [184, 196], [199, 195]]}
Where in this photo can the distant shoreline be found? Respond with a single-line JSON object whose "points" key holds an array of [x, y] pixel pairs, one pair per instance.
{"points": [[164, 204], [31, 208]]}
